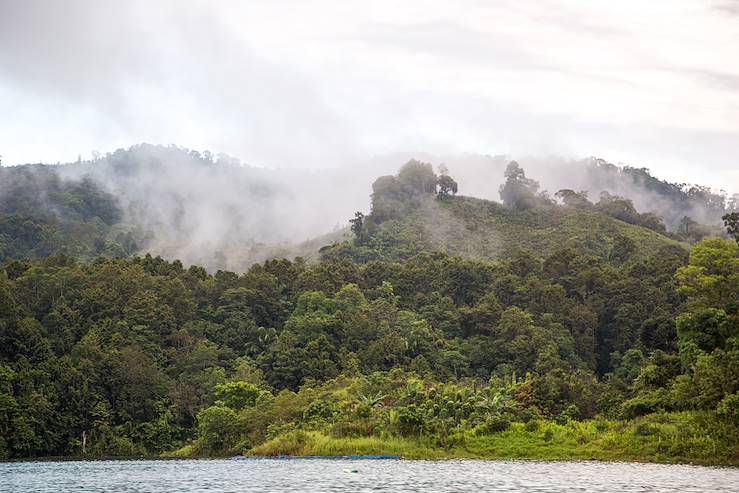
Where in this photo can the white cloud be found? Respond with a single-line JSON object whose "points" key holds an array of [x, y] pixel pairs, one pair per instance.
{"points": [[323, 83]]}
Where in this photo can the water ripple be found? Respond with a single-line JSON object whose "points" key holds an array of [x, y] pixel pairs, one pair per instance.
{"points": [[307, 476]]}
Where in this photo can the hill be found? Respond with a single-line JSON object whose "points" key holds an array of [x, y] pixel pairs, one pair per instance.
{"points": [[42, 214], [406, 220], [563, 330], [201, 209], [476, 228], [214, 211]]}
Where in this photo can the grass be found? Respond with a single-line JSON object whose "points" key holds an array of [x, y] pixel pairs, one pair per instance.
{"points": [[477, 228], [313, 443], [486, 229], [667, 438]]}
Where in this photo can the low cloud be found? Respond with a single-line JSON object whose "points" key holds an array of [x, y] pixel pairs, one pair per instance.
{"points": [[329, 84]]}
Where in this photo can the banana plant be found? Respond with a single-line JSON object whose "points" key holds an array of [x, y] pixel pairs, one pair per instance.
{"points": [[371, 400]]}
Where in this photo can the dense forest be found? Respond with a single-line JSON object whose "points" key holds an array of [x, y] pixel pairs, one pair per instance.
{"points": [[445, 326], [42, 214]]}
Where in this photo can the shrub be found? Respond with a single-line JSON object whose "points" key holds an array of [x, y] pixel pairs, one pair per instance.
{"points": [[532, 426], [352, 429], [237, 395], [118, 446], [570, 413], [410, 420], [217, 428], [319, 411], [646, 429], [548, 435], [636, 407], [728, 408], [494, 424]]}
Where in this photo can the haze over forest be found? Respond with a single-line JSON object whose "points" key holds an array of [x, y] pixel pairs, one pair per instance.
{"points": [[317, 101], [499, 229], [215, 211], [330, 84]]}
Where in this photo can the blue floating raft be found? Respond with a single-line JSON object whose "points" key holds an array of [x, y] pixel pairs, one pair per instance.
{"points": [[323, 457]]}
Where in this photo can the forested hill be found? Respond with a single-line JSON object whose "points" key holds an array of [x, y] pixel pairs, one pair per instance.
{"points": [[180, 204], [417, 211], [587, 332], [42, 214], [216, 212], [406, 221]]}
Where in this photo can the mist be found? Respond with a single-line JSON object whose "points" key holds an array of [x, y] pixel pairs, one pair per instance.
{"points": [[330, 84], [317, 99], [213, 210]]}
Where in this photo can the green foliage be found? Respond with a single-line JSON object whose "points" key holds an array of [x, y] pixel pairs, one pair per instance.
{"points": [[518, 191], [395, 196], [217, 427], [237, 395], [42, 214], [549, 318], [692, 231], [130, 351], [728, 408], [679, 437], [357, 225], [494, 424], [731, 221], [447, 187], [711, 280], [571, 198], [416, 177], [402, 226], [623, 209]]}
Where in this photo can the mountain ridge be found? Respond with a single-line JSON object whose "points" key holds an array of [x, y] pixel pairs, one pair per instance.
{"points": [[228, 216]]}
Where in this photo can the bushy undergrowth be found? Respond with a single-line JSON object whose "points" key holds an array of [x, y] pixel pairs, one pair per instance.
{"points": [[677, 437], [399, 413]]}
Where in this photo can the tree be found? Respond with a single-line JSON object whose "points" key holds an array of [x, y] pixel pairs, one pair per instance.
{"points": [[623, 209], [9, 409], [217, 428], [692, 230], [571, 198], [447, 186], [623, 247], [733, 203], [731, 221], [417, 177], [237, 395], [357, 224], [711, 283], [711, 280], [518, 191], [394, 196]]}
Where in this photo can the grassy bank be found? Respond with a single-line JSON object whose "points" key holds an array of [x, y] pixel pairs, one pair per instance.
{"points": [[669, 438]]}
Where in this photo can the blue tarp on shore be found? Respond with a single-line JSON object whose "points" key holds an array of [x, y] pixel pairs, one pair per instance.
{"points": [[338, 457]]}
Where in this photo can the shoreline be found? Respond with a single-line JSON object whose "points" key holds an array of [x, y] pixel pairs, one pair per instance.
{"points": [[450, 458], [667, 438]]}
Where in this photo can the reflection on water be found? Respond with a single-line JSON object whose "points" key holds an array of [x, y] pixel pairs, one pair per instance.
{"points": [[320, 475]]}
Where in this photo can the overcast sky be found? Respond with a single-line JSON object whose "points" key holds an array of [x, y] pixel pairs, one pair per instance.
{"points": [[326, 83]]}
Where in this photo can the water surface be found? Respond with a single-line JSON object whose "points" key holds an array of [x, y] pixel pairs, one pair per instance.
{"points": [[321, 475]]}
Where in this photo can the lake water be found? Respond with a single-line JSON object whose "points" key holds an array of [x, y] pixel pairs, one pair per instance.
{"points": [[320, 475]]}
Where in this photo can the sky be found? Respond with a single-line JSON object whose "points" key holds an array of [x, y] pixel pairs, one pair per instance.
{"points": [[316, 84]]}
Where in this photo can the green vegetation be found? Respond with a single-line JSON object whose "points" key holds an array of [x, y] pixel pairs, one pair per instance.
{"points": [[408, 219], [418, 418], [42, 214], [658, 438], [534, 331], [676, 204]]}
